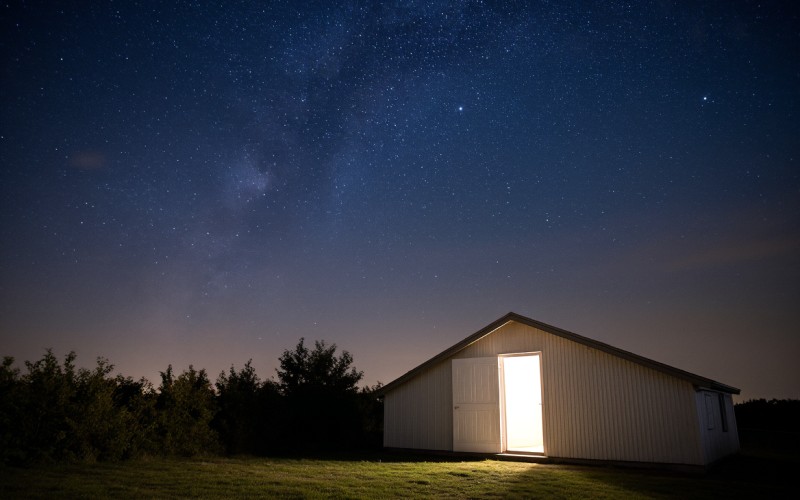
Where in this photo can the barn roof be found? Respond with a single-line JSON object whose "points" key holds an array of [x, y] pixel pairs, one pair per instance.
{"points": [[696, 380]]}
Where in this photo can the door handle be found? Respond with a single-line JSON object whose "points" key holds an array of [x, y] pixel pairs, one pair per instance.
{"points": [[456, 407]]}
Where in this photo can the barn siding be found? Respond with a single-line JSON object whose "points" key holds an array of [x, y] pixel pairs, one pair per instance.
{"points": [[418, 414], [717, 442], [595, 405]]}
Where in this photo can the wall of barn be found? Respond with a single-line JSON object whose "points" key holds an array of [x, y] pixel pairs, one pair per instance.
{"points": [[717, 422], [595, 405], [419, 413]]}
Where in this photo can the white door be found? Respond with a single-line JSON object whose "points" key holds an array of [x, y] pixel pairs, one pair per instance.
{"points": [[476, 405]]}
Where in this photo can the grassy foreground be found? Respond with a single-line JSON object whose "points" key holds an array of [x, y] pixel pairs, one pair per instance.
{"points": [[381, 476]]}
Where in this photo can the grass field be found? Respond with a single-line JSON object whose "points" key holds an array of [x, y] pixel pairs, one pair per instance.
{"points": [[380, 475]]}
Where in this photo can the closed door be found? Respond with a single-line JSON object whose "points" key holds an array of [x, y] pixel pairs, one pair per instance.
{"points": [[476, 405]]}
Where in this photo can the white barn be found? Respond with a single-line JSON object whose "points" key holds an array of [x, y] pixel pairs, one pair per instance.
{"points": [[519, 386]]}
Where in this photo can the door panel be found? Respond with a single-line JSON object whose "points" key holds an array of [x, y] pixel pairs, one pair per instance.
{"points": [[476, 405]]}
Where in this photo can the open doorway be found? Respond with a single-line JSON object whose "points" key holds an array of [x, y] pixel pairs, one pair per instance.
{"points": [[522, 396]]}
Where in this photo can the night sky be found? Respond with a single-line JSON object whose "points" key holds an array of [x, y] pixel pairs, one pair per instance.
{"points": [[205, 184]]}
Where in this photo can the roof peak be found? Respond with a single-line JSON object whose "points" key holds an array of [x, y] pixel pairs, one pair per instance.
{"points": [[696, 380]]}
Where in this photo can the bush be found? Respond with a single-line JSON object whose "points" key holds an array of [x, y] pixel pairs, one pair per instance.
{"points": [[186, 407], [775, 414], [323, 404], [56, 412]]}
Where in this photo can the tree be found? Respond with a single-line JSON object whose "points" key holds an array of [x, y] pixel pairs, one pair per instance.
{"points": [[302, 370], [58, 413], [321, 396], [98, 429], [243, 420], [186, 407], [370, 407], [44, 409], [775, 414], [9, 410], [137, 398]]}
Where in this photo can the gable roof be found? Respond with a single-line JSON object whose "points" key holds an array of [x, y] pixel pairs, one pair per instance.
{"points": [[696, 380]]}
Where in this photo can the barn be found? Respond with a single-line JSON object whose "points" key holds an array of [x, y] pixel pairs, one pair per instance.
{"points": [[522, 387]]}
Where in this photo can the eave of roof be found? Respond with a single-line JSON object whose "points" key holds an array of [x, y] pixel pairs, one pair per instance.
{"points": [[696, 380]]}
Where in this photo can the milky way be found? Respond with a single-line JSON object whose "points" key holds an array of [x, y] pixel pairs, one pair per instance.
{"points": [[207, 184]]}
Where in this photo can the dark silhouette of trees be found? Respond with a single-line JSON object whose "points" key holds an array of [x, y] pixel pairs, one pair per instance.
{"points": [[249, 412], [10, 440], [44, 410], [137, 399], [98, 429], [773, 414], [321, 397], [769, 425], [302, 370], [186, 406], [370, 414], [57, 412]]}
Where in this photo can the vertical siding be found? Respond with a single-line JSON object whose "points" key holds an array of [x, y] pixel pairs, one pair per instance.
{"points": [[595, 405], [717, 442], [418, 414]]}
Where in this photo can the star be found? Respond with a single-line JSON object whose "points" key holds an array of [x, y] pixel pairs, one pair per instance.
{"points": [[323, 148]]}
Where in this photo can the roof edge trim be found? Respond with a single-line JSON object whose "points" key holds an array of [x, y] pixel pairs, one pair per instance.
{"points": [[518, 318]]}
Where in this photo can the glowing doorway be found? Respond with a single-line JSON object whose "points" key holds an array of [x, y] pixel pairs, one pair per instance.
{"points": [[522, 384]]}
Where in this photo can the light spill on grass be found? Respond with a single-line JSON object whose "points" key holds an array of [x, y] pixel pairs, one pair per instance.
{"points": [[317, 478]]}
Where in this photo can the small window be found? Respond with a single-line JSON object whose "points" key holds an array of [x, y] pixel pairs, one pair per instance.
{"points": [[722, 413], [709, 411]]}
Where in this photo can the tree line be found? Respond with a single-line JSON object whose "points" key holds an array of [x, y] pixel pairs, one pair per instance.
{"points": [[58, 412], [773, 414]]}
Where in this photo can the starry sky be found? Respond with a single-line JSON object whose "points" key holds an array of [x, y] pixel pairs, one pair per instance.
{"points": [[207, 182]]}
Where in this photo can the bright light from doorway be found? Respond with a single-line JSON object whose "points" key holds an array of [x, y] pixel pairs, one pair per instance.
{"points": [[523, 404]]}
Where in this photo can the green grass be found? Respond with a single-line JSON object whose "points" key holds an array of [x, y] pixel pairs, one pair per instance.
{"points": [[383, 476], [763, 469]]}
